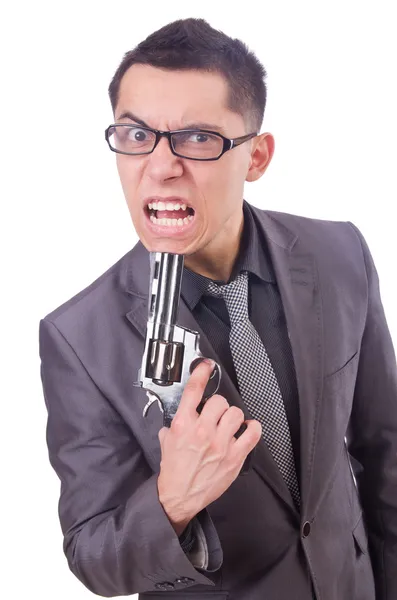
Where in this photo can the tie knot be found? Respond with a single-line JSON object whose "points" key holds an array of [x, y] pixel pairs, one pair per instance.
{"points": [[235, 295]]}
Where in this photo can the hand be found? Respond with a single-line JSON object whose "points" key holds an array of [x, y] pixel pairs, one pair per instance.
{"points": [[200, 457]]}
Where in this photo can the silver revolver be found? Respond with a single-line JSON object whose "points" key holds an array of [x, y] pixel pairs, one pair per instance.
{"points": [[171, 352]]}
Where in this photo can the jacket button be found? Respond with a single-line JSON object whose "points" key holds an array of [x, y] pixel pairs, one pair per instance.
{"points": [[306, 529], [165, 586], [184, 580]]}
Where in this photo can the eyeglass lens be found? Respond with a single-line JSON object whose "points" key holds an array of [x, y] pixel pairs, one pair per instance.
{"points": [[191, 144]]}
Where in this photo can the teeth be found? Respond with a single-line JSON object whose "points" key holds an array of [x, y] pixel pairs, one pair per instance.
{"points": [[171, 222], [166, 206]]}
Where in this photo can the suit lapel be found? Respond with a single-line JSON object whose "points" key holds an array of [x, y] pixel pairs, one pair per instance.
{"points": [[297, 280]]}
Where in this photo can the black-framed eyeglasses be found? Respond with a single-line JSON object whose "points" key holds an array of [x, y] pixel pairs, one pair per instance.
{"points": [[194, 144]]}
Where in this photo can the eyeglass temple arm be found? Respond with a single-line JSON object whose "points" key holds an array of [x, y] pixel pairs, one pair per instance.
{"points": [[242, 139]]}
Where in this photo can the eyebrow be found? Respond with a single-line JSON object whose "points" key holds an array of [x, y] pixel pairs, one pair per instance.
{"points": [[196, 125]]}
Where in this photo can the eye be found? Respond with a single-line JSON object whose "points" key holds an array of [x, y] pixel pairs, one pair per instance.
{"points": [[135, 134], [194, 137], [200, 137]]}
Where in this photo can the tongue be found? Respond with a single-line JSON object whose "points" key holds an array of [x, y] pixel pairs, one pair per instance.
{"points": [[172, 214]]}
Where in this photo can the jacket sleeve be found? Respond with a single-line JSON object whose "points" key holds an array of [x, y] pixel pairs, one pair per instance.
{"points": [[194, 541], [373, 436], [117, 538]]}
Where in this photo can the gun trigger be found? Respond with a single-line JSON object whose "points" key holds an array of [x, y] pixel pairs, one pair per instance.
{"points": [[152, 398]]}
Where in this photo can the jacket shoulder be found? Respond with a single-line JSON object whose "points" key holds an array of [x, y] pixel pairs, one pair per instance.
{"points": [[95, 293], [337, 247], [300, 223], [319, 235]]}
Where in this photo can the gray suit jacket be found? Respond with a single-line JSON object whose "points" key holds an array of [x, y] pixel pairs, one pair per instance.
{"points": [[117, 538]]}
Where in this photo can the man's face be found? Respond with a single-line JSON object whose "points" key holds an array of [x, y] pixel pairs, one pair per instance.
{"points": [[169, 100]]}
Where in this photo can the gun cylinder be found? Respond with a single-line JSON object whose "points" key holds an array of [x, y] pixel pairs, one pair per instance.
{"points": [[165, 361]]}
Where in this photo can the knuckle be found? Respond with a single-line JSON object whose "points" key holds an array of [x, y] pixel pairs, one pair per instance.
{"points": [[178, 424], [220, 401], [202, 432], [233, 416], [218, 450], [236, 413], [256, 430], [192, 387]]}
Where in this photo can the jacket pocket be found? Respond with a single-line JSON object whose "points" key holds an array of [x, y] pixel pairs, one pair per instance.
{"points": [[344, 366]]}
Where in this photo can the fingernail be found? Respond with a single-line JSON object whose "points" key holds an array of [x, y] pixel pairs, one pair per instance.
{"points": [[209, 362]]}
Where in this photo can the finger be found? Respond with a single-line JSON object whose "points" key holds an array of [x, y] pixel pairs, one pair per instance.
{"points": [[230, 423], [213, 410], [162, 433], [247, 440], [194, 390]]}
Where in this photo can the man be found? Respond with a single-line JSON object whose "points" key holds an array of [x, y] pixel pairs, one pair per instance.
{"points": [[307, 364]]}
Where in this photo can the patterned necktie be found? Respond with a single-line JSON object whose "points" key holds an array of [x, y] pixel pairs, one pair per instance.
{"points": [[257, 381]]}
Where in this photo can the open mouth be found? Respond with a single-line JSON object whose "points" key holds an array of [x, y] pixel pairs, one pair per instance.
{"points": [[174, 214]]}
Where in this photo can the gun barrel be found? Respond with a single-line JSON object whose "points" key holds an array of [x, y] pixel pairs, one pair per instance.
{"points": [[166, 286]]}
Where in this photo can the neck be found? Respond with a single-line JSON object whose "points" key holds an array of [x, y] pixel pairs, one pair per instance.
{"points": [[217, 259]]}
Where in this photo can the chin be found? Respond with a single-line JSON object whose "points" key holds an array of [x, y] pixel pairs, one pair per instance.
{"points": [[163, 246]]}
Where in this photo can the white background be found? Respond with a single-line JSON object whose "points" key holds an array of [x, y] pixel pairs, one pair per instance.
{"points": [[331, 107]]}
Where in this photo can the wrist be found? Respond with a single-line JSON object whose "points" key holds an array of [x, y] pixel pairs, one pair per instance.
{"points": [[179, 526], [178, 519]]}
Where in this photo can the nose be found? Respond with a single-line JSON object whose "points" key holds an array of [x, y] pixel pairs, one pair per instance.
{"points": [[162, 164]]}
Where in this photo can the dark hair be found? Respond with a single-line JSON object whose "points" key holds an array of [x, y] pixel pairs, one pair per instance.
{"points": [[192, 44]]}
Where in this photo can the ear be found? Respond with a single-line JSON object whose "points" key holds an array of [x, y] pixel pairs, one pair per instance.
{"points": [[261, 155]]}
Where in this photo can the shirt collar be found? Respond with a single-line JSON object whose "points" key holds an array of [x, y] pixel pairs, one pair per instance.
{"points": [[253, 257]]}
